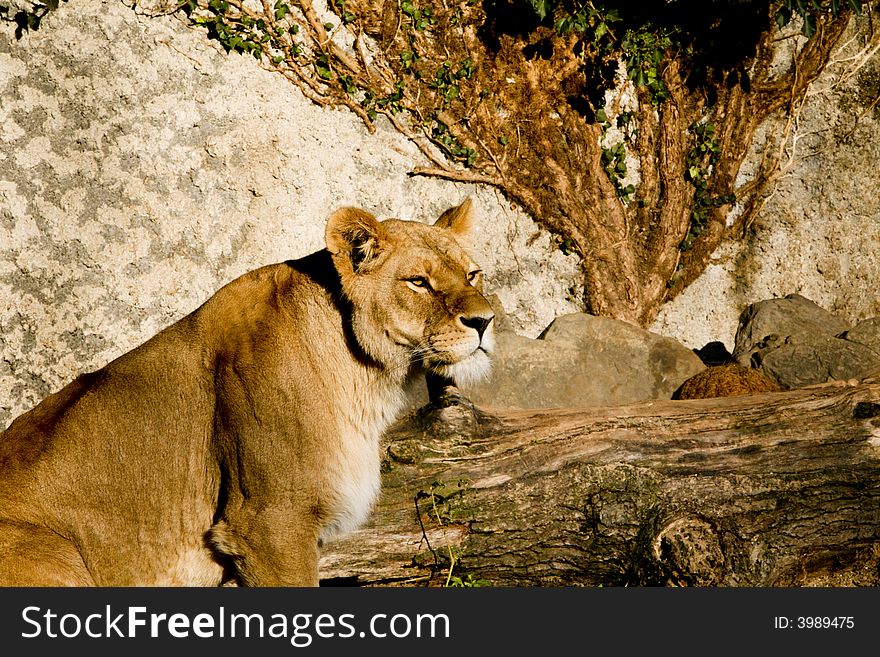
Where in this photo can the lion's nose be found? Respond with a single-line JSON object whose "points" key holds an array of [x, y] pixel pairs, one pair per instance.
{"points": [[478, 322]]}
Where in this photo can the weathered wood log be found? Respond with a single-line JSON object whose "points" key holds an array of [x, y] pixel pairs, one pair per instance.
{"points": [[769, 490]]}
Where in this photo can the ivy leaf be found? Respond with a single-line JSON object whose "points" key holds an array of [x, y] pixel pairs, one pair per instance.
{"points": [[540, 7], [322, 67], [281, 10], [564, 25]]}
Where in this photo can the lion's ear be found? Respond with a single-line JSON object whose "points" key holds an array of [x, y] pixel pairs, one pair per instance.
{"points": [[355, 238], [460, 219]]}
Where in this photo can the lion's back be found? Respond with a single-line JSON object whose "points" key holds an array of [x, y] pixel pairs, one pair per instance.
{"points": [[107, 430], [30, 435]]}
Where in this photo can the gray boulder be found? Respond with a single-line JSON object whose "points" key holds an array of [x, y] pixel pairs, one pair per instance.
{"points": [[799, 361], [797, 343], [866, 332], [793, 315], [582, 360]]}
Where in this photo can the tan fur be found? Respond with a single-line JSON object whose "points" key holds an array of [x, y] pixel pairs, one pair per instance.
{"points": [[230, 444]]}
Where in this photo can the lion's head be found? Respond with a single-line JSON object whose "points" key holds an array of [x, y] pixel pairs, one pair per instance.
{"points": [[415, 292]]}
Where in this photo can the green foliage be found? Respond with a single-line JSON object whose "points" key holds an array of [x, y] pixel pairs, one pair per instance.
{"points": [[456, 581], [392, 103], [645, 50], [271, 36], [419, 19], [614, 156], [241, 33], [344, 15], [698, 168], [614, 163], [810, 11], [646, 35], [595, 25], [348, 84], [408, 60], [281, 10], [567, 246], [605, 35], [453, 147], [541, 7], [323, 67], [446, 80]]}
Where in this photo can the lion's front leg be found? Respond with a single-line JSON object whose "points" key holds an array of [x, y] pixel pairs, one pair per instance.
{"points": [[270, 546]]}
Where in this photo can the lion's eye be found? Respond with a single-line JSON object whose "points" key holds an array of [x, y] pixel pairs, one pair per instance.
{"points": [[473, 276], [418, 283]]}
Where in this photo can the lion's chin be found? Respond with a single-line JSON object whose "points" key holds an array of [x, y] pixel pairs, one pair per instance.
{"points": [[468, 371]]}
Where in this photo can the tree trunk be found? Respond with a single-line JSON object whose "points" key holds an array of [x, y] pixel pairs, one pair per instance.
{"points": [[770, 490]]}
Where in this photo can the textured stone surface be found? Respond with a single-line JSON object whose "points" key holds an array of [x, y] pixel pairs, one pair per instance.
{"points": [[793, 315], [819, 232], [797, 343], [582, 360], [141, 168], [803, 360], [867, 333]]}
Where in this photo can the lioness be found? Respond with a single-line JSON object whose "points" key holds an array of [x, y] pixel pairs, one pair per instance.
{"points": [[225, 448]]}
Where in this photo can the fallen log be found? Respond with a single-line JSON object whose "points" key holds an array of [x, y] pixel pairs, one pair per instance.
{"points": [[777, 489]]}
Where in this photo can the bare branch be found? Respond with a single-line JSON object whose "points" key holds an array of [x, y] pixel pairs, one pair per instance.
{"points": [[459, 175]]}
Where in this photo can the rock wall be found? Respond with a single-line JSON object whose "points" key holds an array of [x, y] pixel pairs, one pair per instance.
{"points": [[141, 168]]}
